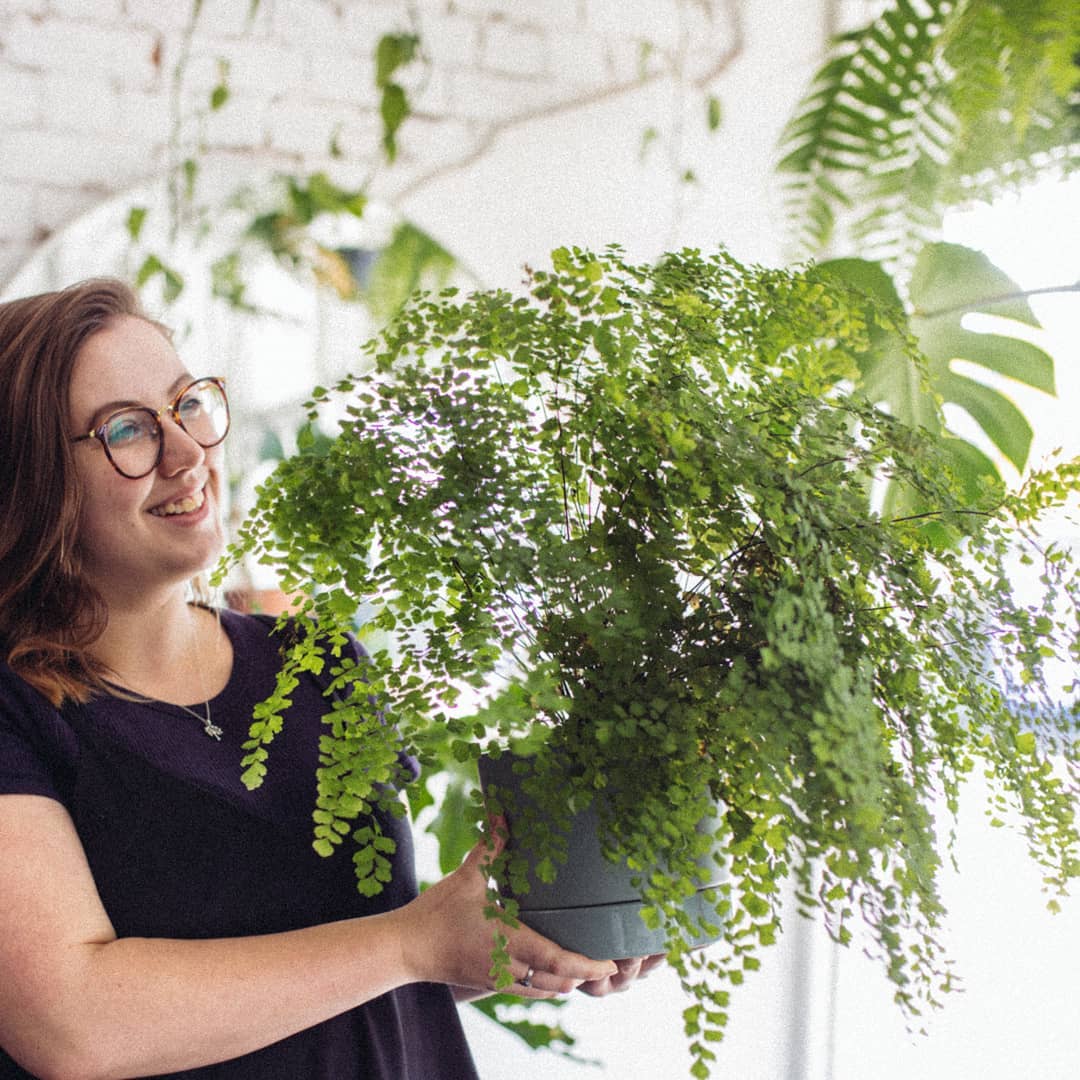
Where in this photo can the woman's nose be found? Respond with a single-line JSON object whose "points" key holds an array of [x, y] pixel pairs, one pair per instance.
{"points": [[179, 450]]}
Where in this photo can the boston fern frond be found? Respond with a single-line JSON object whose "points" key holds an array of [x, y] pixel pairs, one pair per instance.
{"points": [[932, 102]]}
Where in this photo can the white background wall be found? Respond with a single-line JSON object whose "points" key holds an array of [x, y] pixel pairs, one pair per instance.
{"points": [[528, 134], [90, 106]]}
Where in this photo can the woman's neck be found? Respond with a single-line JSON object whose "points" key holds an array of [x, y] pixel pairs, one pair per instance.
{"points": [[166, 649]]}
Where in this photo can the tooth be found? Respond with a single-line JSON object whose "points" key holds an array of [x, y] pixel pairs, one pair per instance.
{"points": [[181, 506]]}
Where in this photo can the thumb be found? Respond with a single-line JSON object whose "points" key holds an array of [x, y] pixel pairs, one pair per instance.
{"points": [[490, 845], [496, 834]]}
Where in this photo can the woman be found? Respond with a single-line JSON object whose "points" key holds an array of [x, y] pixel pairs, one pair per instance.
{"points": [[155, 916]]}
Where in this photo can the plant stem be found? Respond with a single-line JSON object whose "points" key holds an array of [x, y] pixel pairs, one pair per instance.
{"points": [[1001, 298]]}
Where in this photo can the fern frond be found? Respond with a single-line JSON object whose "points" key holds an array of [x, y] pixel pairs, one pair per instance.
{"points": [[932, 103]]}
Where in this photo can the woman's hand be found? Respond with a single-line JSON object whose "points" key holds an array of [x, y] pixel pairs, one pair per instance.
{"points": [[447, 936], [629, 971]]}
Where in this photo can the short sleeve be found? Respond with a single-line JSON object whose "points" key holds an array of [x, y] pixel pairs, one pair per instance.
{"points": [[38, 749]]}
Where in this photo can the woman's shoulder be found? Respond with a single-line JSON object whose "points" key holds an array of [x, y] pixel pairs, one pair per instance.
{"points": [[255, 630], [19, 698], [281, 632], [38, 746], [255, 625]]}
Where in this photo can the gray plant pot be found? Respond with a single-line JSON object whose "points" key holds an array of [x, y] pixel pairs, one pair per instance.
{"points": [[592, 906]]}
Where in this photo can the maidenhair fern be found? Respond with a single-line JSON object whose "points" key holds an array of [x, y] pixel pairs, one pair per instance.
{"points": [[622, 521]]}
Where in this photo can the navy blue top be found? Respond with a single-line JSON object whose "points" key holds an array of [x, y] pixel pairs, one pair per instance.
{"points": [[179, 848]]}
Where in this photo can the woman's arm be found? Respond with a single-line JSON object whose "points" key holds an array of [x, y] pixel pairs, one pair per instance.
{"points": [[78, 1002]]}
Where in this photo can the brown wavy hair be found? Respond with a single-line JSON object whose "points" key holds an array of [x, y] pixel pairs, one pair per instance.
{"points": [[49, 615]]}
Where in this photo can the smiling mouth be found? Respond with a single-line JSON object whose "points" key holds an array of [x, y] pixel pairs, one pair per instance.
{"points": [[181, 506]]}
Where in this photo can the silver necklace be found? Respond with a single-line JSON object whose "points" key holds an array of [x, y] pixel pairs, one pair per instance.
{"points": [[209, 726], [211, 729], [163, 707]]}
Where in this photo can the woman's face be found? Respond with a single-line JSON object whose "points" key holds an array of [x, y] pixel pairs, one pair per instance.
{"points": [[136, 536]]}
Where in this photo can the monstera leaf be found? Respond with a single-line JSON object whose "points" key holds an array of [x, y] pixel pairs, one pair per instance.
{"points": [[948, 282]]}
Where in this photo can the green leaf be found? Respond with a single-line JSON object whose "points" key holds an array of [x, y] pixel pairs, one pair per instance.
{"points": [[391, 52], [713, 113], [888, 372], [135, 220], [410, 261], [455, 826], [500, 1008], [305, 437], [174, 285], [973, 470], [948, 282], [394, 109], [927, 106], [648, 137], [172, 282], [1002, 421], [1025, 742], [328, 197], [776, 839], [190, 170]]}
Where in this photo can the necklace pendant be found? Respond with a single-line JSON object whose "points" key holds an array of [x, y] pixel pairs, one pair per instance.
{"points": [[212, 729]]}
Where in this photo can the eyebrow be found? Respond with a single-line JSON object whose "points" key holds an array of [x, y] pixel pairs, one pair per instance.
{"points": [[99, 414]]}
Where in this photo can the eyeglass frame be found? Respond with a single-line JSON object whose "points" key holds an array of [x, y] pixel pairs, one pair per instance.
{"points": [[99, 432]]}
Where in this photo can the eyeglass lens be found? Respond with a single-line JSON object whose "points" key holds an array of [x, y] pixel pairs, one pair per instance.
{"points": [[133, 436]]}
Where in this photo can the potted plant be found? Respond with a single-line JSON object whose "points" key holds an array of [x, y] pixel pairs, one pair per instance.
{"points": [[625, 526]]}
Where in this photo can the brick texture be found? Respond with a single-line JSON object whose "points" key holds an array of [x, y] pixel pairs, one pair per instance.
{"points": [[90, 104]]}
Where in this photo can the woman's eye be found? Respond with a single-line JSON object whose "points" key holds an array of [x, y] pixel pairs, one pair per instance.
{"points": [[124, 430], [191, 406]]}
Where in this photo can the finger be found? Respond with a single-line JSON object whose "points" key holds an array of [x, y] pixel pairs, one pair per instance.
{"points": [[624, 978], [496, 833], [563, 964], [533, 983], [651, 963], [630, 970], [559, 971]]}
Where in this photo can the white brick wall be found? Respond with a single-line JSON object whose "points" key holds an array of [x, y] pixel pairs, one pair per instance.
{"points": [[86, 87], [516, 51], [22, 97], [19, 211], [82, 47]]}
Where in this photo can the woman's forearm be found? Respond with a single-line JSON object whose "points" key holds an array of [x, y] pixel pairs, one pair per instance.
{"points": [[79, 1003], [140, 1006]]}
